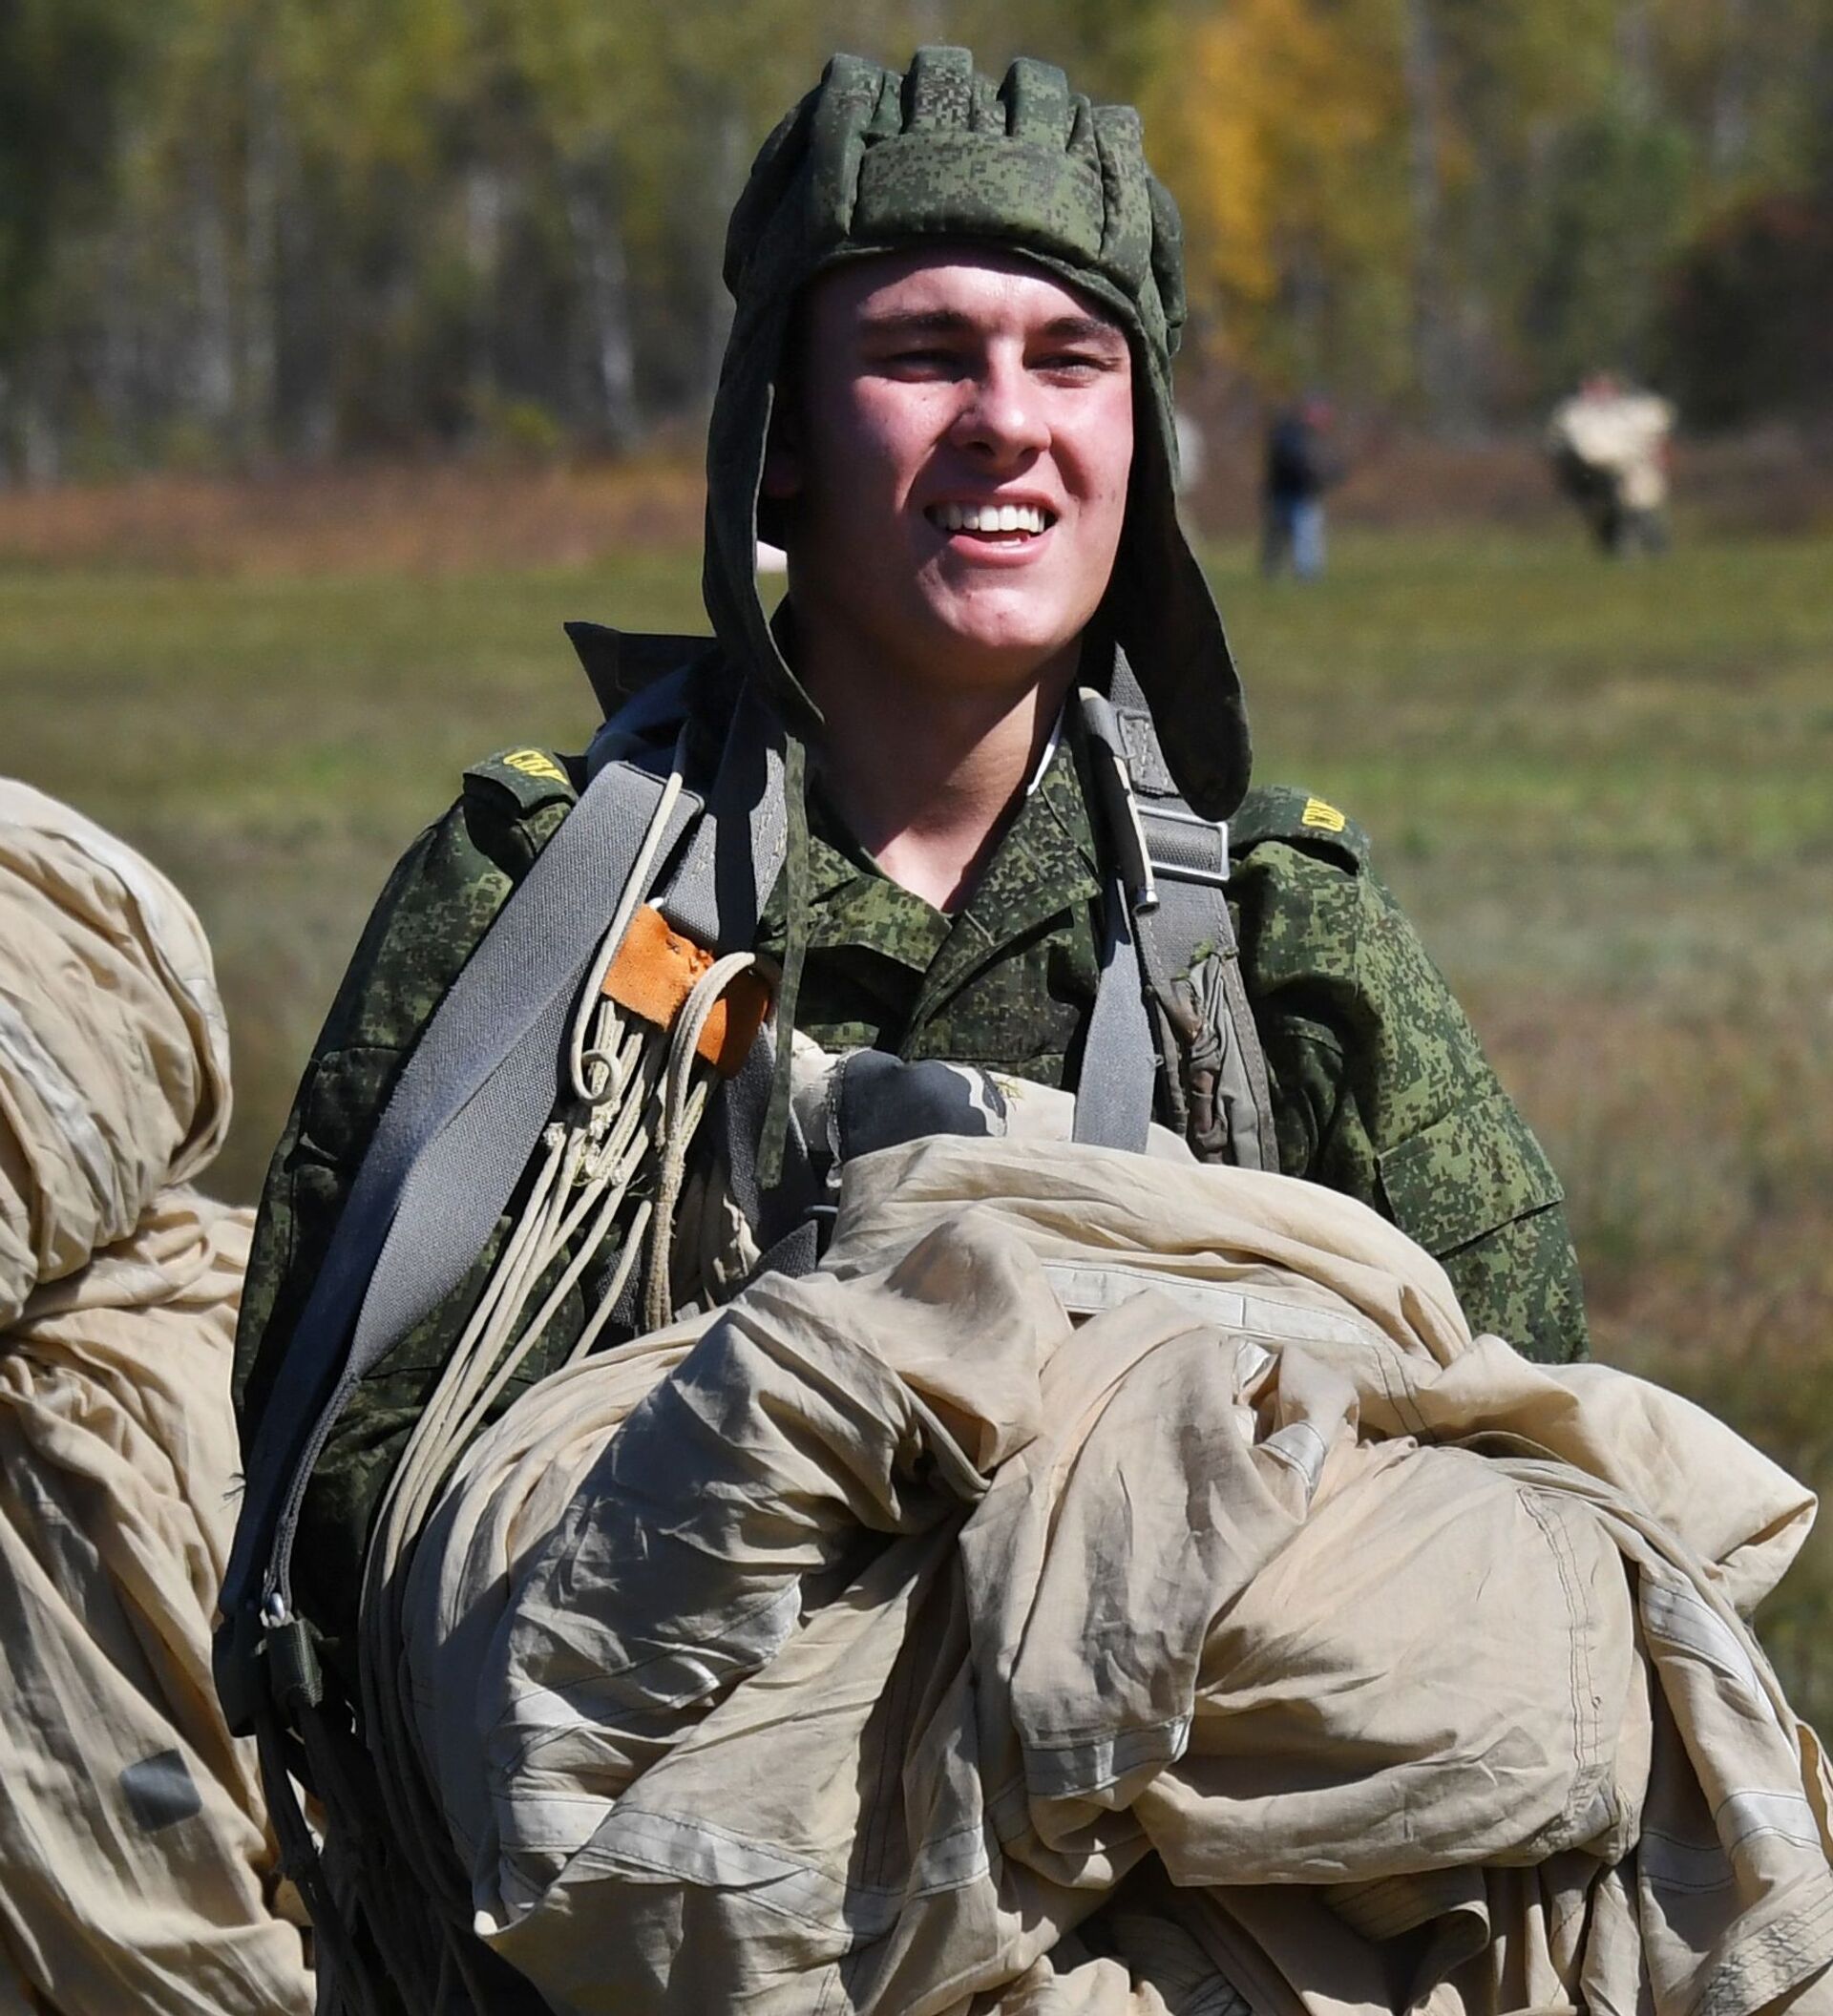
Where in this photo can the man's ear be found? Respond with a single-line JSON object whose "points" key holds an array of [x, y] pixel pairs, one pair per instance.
{"points": [[782, 452]]}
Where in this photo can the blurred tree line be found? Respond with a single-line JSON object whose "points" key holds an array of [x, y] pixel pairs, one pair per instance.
{"points": [[256, 231]]}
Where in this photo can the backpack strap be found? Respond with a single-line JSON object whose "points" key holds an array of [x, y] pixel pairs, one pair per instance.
{"points": [[731, 859], [1172, 873]]}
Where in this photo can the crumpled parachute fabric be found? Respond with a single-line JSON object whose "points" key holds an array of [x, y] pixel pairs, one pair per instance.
{"points": [[1117, 1587], [137, 1868], [114, 1052]]}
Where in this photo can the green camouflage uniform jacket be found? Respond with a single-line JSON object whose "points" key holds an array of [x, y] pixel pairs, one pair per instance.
{"points": [[1380, 1088]]}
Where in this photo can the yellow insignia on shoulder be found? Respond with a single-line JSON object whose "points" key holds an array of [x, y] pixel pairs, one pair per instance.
{"points": [[532, 763], [1326, 818]]}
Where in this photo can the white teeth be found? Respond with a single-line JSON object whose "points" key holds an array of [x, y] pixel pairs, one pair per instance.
{"points": [[989, 517]]}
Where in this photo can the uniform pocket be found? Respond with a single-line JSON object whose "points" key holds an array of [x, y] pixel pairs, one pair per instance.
{"points": [[1474, 1170]]}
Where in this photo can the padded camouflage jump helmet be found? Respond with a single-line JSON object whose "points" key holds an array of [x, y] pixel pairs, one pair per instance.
{"points": [[871, 161]]}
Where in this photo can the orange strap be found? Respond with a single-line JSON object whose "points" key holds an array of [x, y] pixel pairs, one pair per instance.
{"points": [[655, 971]]}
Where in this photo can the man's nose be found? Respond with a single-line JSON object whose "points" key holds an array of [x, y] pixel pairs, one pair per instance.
{"points": [[1003, 417]]}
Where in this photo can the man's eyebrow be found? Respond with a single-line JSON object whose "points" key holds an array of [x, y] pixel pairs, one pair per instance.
{"points": [[950, 321], [934, 321], [1084, 329]]}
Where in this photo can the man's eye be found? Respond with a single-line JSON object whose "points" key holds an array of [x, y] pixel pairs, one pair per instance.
{"points": [[1082, 363], [918, 356]]}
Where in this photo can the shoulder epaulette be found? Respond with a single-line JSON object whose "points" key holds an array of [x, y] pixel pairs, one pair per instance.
{"points": [[531, 778], [1282, 812]]}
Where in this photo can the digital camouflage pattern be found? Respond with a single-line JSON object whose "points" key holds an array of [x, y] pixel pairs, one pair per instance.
{"points": [[1380, 1087], [1006, 981]]}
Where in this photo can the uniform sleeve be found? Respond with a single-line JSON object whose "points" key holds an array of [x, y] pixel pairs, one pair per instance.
{"points": [[1381, 1090]]}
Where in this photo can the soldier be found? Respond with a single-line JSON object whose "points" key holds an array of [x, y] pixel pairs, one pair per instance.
{"points": [[947, 398]]}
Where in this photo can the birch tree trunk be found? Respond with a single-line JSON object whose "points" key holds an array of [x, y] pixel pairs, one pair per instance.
{"points": [[1426, 190], [486, 200], [213, 340], [723, 187], [1635, 55], [261, 269], [605, 293]]}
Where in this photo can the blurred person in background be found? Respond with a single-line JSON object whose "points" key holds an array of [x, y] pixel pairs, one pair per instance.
{"points": [[1609, 445], [138, 1870], [1300, 469]]}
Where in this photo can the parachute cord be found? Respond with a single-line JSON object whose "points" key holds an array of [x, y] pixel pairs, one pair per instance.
{"points": [[683, 1105], [627, 1094], [633, 1245]]}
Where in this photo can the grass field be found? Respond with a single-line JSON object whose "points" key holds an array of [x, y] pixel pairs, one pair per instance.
{"points": [[1605, 795]]}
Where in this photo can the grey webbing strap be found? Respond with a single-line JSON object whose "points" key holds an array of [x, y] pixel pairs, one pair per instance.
{"points": [[1191, 922], [452, 1144], [1119, 1059], [1138, 735], [731, 863], [1177, 865], [1189, 850], [1119, 808], [717, 896], [1114, 1094]]}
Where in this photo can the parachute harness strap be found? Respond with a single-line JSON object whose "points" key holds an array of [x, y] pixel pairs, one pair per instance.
{"points": [[613, 1161]]}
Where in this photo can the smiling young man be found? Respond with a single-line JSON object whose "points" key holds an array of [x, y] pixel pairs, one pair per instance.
{"points": [[953, 467], [1007, 732]]}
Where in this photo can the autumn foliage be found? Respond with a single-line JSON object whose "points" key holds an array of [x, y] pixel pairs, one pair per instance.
{"points": [[249, 232]]}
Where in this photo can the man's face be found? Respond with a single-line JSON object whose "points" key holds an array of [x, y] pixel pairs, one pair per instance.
{"points": [[955, 453]]}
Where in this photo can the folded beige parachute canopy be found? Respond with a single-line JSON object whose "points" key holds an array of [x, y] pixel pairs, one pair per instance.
{"points": [[1107, 1587], [136, 1867]]}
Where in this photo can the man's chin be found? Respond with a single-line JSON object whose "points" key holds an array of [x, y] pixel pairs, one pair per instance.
{"points": [[999, 655]]}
